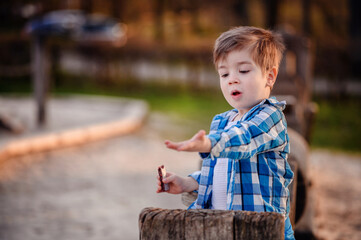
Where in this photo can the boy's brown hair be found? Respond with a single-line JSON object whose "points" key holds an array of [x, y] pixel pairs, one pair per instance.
{"points": [[266, 47]]}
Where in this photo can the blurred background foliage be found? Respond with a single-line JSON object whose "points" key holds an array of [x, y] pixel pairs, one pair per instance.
{"points": [[167, 59]]}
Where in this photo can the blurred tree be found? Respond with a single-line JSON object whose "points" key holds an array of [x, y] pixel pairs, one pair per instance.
{"points": [[272, 7], [329, 12], [331, 38], [87, 5], [355, 36], [194, 10], [241, 10], [188, 6], [333, 25], [306, 11], [159, 8], [118, 9]]}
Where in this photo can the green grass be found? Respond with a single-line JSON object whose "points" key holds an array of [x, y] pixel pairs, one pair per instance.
{"points": [[337, 125], [15, 85]]}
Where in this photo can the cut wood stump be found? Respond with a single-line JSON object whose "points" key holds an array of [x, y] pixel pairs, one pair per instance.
{"points": [[157, 223]]}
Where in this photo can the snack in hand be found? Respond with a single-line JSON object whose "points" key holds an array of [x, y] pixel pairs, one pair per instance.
{"points": [[162, 173]]}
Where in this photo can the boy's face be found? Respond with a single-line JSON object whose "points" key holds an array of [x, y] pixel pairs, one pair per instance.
{"points": [[242, 82]]}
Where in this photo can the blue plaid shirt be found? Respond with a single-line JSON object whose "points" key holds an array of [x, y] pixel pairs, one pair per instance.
{"points": [[257, 147]]}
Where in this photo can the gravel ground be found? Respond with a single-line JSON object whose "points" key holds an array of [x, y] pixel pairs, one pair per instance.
{"points": [[96, 191], [337, 182]]}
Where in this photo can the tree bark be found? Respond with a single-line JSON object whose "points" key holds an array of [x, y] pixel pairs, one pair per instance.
{"points": [[40, 59], [157, 223]]}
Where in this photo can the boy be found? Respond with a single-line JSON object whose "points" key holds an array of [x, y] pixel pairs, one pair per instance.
{"points": [[245, 154]]}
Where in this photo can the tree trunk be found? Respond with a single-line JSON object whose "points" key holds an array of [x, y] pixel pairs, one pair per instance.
{"points": [[159, 28], [271, 13], [40, 59], [157, 223], [118, 9]]}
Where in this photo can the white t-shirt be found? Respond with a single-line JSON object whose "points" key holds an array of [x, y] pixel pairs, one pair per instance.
{"points": [[219, 195]]}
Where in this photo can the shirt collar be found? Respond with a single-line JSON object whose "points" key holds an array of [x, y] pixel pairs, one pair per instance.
{"points": [[272, 101]]}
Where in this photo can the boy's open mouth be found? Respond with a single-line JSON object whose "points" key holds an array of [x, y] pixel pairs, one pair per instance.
{"points": [[236, 93]]}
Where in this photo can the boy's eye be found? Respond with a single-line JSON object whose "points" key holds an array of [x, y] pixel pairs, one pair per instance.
{"points": [[224, 75], [244, 71]]}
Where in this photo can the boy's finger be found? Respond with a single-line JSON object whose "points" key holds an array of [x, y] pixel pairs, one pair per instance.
{"points": [[159, 189], [169, 144], [186, 147], [168, 179], [182, 148]]}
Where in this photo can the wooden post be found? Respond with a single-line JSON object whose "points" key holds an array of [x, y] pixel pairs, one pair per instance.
{"points": [[253, 225], [170, 224], [40, 72], [157, 223]]}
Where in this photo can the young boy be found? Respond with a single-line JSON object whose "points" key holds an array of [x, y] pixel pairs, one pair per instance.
{"points": [[245, 154]]}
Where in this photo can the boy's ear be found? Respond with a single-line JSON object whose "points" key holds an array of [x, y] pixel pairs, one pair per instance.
{"points": [[271, 77]]}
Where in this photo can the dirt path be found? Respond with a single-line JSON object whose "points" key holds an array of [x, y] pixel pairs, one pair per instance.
{"points": [[96, 191], [337, 182]]}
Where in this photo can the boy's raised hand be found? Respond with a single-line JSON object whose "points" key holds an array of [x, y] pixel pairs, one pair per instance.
{"points": [[198, 143]]}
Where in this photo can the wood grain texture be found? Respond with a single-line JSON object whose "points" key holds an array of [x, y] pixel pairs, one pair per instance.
{"points": [[157, 223]]}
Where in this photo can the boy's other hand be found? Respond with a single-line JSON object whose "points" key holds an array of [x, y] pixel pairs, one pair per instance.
{"points": [[174, 183], [177, 184], [198, 143]]}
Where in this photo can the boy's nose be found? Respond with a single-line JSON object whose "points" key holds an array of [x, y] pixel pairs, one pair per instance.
{"points": [[233, 80]]}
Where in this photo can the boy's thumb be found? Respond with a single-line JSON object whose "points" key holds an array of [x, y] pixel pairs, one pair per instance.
{"points": [[168, 179], [201, 133]]}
